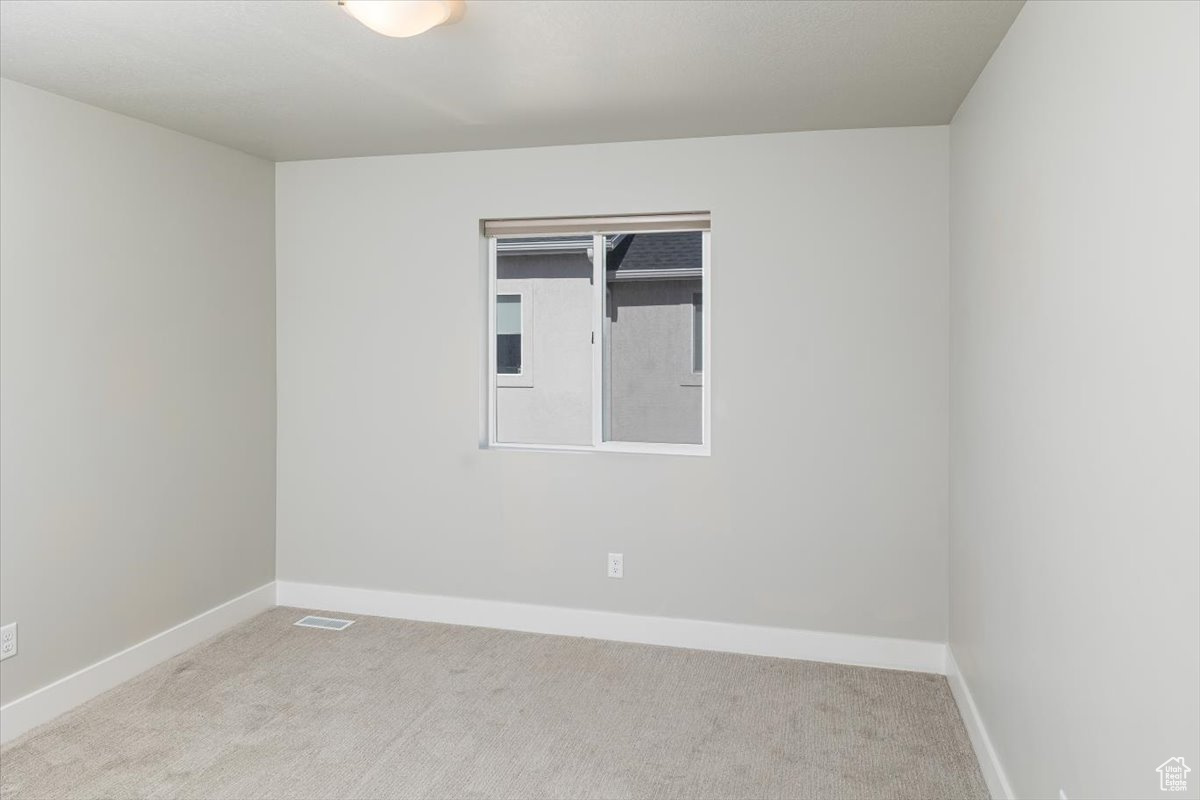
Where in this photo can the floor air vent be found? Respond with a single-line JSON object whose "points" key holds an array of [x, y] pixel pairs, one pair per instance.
{"points": [[326, 623]]}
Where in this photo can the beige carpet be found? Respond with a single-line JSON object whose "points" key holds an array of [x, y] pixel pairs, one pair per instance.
{"points": [[401, 709]]}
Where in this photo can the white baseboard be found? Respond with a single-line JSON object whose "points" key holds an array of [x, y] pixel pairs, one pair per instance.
{"points": [[840, 648], [985, 752], [64, 694]]}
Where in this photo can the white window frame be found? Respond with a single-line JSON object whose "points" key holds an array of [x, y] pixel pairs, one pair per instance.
{"points": [[599, 283]]}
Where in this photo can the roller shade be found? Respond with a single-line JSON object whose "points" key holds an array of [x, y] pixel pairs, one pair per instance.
{"points": [[562, 226]]}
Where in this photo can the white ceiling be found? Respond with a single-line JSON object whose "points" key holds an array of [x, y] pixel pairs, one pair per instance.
{"points": [[298, 80]]}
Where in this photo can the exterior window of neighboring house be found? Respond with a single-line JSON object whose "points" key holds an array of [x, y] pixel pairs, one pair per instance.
{"points": [[508, 334], [612, 309]]}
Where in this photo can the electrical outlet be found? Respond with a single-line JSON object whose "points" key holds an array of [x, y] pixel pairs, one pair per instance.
{"points": [[8, 641], [616, 565]]}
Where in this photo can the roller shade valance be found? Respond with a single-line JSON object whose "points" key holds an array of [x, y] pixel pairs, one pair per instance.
{"points": [[564, 226]]}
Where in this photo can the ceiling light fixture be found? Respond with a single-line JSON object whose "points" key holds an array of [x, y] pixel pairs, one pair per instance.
{"points": [[402, 18]]}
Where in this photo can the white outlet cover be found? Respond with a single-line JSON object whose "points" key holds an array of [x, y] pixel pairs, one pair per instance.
{"points": [[8, 641], [616, 565]]}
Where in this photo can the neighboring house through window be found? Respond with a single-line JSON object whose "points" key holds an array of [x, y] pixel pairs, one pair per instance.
{"points": [[613, 315]]}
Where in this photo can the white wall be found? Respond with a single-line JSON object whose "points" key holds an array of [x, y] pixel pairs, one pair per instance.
{"points": [[1075, 394], [653, 394], [550, 402], [824, 504], [136, 380]]}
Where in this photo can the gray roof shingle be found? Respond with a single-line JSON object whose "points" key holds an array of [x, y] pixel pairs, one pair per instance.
{"points": [[656, 251]]}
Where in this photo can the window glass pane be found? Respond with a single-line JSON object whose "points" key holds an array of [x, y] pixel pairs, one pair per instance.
{"points": [[508, 334], [508, 313], [652, 390], [544, 329]]}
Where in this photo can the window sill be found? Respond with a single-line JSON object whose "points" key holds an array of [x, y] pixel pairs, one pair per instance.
{"points": [[646, 448]]}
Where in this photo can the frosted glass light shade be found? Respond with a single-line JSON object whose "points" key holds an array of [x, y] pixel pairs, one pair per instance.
{"points": [[401, 18]]}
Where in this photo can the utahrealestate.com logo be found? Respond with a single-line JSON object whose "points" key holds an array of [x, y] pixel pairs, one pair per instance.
{"points": [[1172, 775]]}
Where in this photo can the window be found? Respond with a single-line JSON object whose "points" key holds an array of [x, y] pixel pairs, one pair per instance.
{"points": [[620, 334], [508, 334]]}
